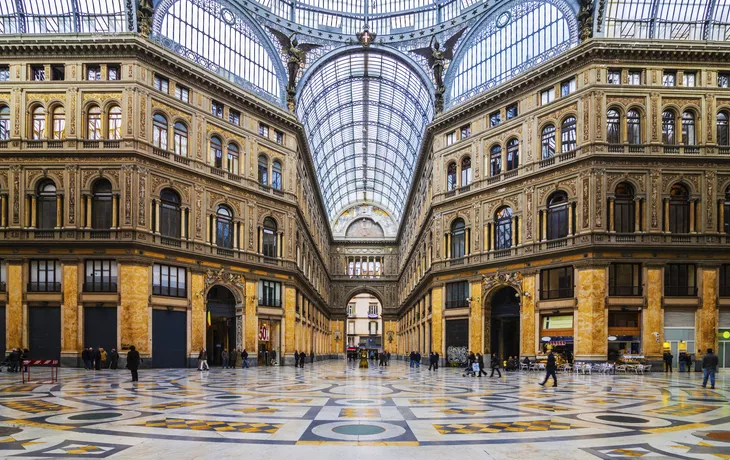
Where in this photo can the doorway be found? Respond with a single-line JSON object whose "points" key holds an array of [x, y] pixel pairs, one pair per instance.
{"points": [[505, 323], [221, 331]]}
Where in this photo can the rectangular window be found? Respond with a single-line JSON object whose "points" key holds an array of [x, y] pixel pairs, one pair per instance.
{"points": [[465, 131], [456, 294], [93, 73], [101, 276], [567, 87], [495, 118], [547, 96], [182, 93], [279, 136], [680, 280], [557, 322], [669, 79], [635, 77], [169, 281], [723, 80], [351, 328], [373, 328], [512, 111], [373, 310], [724, 280], [162, 84], [4, 73], [614, 77], [216, 108], [58, 72], [234, 116], [114, 73], [624, 279], [690, 79], [450, 138], [45, 276], [556, 283], [38, 73], [263, 130], [351, 311], [269, 293]]}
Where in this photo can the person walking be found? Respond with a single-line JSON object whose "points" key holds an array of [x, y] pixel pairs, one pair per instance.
{"points": [[480, 363], [688, 360], [431, 361], [97, 359], [668, 358], [387, 358], [113, 358], [550, 369], [244, 359], [133, 361], [311, 355], [302, 357], [495, 366], [273, 357], [104, 358], [86, 357], [709, 367], [296, 358], [200, 360], [224, 358], [437, 357]]}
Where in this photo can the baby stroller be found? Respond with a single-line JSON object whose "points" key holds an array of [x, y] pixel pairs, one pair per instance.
{"points": [[471, 370]]}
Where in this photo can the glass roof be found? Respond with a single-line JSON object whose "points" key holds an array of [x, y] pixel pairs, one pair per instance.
{"points": [[668, 19], [364, 113], [65, 16]]}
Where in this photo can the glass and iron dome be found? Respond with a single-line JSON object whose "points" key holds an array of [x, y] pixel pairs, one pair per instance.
{"points": [[364, 113], [66, 16]]}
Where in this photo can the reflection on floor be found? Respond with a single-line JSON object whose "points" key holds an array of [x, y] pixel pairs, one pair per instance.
{"points": [[390, 412]]}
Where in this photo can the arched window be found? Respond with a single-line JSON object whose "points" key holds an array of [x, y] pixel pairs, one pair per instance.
{"points": [[726, 205], [723, 132], [548, 142], [513, 154], [624, 208], [224, 227], [451, 177], [668, 127], [276, 175], [633, 127], [232, 158], [679, 209], [503, 228], [159, 131], [58, 121], [170, 213], [46, 205], [458, 239], [115, 123], [101, 205], [216, 152], [180, 139], [4, 123], [93, 123], [495, 160], [689, 129], [39, 123], [568, 135], [557, 216], [263, 170], [613, 126], [465, 171], [269, 237]]}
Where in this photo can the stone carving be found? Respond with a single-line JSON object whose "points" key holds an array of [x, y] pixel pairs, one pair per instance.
{"points": [[128, 171], [558, 114], [143, 115], [222, 276], [586, 200], [654, 114], [654, 198], [142, 196], [681, 102], [710, 116], [46, 97], [599, 115], [228, 136], [513, 279], [599, 21], [710, 181], [71, 169], [5, 97], [586, 118], [625, 100], [239, 332], [598, 211], [528, 210], [15, 171], [101, 97], [585, 19], [198, 212], [173, 112], [130, 103]]}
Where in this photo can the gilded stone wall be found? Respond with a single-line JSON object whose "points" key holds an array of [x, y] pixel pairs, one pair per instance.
{"points": [[591, 340], [70, 309], [653, 314], [476, 318], [527, 316], [252, 322], [437, 320], [14, 307], [197, 315], [290, 303], [134, 315], [707, 315]]}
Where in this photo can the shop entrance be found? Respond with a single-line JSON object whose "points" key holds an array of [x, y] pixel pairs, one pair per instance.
{"points": [[624, 334], [505, 323], [269, 342], [221, 330]]}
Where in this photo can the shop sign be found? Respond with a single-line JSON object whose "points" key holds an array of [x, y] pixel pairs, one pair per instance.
{"points": [[264, 333]]}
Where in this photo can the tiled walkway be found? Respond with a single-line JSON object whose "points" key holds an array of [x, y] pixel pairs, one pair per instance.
{"points": [[324, 410]]}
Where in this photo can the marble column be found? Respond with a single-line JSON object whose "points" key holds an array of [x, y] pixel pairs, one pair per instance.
{"points": [[722, 216], [707, 314], [115, 211], [476, 318], [612, 214], [14, 307], [252, 319], [290, 305], [666, 215], [197, 314], [134, 314], [527, 316], [652, 318], [637, 215], [591, 340], [437, 317], [70, 313], [691, 216]]}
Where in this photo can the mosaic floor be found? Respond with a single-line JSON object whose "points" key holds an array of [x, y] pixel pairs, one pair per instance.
{"points": [[392, 412]]}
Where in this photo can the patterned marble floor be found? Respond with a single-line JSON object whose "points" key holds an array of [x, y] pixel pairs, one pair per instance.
{"points": [[324, 410]]}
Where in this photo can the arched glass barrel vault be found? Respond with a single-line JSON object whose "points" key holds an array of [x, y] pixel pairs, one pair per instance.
{"points": [[66, 16], [364, 112]]}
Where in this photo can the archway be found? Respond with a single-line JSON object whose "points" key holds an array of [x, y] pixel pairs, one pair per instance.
{"points": [[221, 329], [503, 330], [364, 328]]}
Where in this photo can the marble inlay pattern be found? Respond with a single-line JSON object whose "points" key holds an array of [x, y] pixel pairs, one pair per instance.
{"points": [[388, 412]]}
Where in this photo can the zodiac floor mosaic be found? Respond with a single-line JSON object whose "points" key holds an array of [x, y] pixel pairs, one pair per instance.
{"points": [[391, 412]]}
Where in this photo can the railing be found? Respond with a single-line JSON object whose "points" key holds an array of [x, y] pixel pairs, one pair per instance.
{"points": [[615, 148], [494, 179], [557, 244], [217, 171], [169, 291], [225, 252], [681, 238], [721, 150], [234, 177], [3, 144], [680, 291], [160, 153], [278, 192], [565, 156], [181, 159], [100, 286], [510, 174], [625, 238], [35, 144], [457, 261], [113, 144], [55, 144], [90, 144], [266, 302], [636, 148], [450, 193], [100, 234], [173, 242], [459, 303], [502, 253], [546, 162], [44, 234], [671, 149], [691, 150], [465, 188], [44, 287], [624, 291]]}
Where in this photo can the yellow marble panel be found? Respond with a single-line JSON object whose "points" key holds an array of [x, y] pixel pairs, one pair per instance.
{"points": [[290, 305], [14, 307], [337, 346], [252, 319], [70, 308], [390, 326], [134, 306], [591, 333], [476, 318], [653, 315], [527, 316], [197, 315], [437, 316], [707, 315]]}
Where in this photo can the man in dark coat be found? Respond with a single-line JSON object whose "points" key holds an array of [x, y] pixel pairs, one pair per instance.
{"points": [[311, 355], [709, 367], [97, 359], [296, 358], [302, 357], [86, 356], [550, 369], [244, 359], [133, 361], [480, 363], [114, 358], [668, 357], [494, 365], [432, 361]]}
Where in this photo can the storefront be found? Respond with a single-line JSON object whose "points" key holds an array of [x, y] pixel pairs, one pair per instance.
{"points": [[269, 352], [457, 341], [556, 333], [723, 338], [624, 333], [679, 332]]}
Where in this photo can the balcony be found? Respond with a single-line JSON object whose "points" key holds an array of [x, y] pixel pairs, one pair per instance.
{"points": [[691, 150], [90, 144], [615, 148], [100, 234], [671, 149], [3, 144], [100, 286], [44, 234], [35, 144], [57, 144], [160, 153], [546, 162], [172, 242], [44, 287], [111, 144], [225, 252], [181, 159]]}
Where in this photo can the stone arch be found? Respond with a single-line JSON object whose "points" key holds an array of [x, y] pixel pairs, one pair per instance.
{"points": [[366, 290], [234, 282]]}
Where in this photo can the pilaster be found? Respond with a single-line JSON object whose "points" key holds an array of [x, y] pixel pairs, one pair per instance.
{"points": [[437, 321], [197, 314], [527, 315], [14, 307], [591, 333], [70, 310], [476, 318], [252, 323], [134, 316], [707, 315]]}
